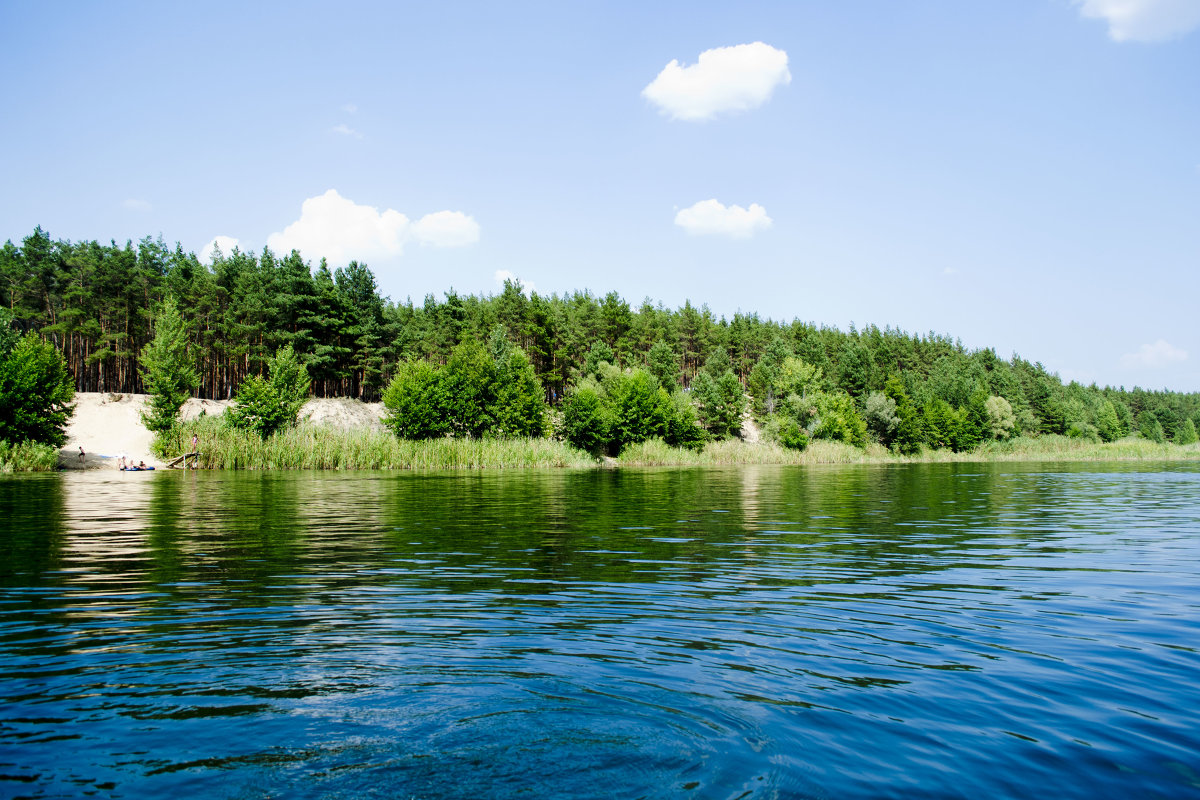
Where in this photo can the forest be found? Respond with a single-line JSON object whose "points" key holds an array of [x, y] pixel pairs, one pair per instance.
{"points": [[96, 304]]}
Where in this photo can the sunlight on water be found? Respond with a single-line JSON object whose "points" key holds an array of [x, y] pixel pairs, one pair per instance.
{"points": [[892, 631]]}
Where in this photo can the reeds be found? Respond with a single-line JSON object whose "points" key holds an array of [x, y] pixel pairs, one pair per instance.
{"points": [[27, 457], [317, 447]]}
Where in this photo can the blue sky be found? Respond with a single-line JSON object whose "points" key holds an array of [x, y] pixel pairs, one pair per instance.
{"points": [[1021, 174]]}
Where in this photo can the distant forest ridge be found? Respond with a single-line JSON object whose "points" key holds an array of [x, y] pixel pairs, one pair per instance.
{"points": [[96, 303]]}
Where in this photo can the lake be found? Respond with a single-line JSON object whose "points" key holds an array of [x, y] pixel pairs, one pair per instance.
{"points": [[924, 630]]}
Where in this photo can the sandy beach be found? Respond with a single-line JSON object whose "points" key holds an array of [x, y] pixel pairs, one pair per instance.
{"points": [[108, 425]]}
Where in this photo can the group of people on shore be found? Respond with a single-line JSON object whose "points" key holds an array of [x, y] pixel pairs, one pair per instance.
{"points": [[125, 463]]}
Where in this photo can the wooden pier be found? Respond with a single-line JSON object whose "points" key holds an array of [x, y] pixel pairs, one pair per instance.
{"points": [[182, 462]]}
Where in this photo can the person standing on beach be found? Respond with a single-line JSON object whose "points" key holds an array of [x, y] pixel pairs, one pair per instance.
{"points": [[82, 455]]}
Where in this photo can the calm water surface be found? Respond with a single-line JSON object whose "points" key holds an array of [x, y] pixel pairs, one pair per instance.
{"points": [[974, 631]]}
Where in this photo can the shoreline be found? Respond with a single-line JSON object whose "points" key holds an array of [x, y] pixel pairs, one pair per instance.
{"points": [[347, 434]]}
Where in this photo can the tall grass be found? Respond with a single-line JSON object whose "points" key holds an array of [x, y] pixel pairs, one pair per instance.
{"points": [[27, 457], [318, 447], [1043, 448]]}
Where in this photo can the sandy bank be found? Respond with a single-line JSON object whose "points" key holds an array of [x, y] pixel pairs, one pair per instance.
{"points": [[110, 425]]}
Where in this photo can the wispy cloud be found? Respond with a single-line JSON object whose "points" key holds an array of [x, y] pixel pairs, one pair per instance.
{"points": [[136, 204], [1143, 20], [723, 80], [350, 108], [710, 217], [1154, 356], [346, 130]]}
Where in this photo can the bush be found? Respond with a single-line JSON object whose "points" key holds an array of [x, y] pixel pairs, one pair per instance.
{"points": [[586, 422], [35, 390], [787, 432], [415, 401], [268, 405]]}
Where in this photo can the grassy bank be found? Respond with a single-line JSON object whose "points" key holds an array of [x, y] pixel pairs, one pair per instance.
{"points": [[317, 447], [1042, 448], [27, 457]]}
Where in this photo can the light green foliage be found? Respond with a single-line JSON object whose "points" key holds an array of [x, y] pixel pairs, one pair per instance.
{"points": [[35, 389], [837, 419], [415, 402], [27, 457], [490, 392], [265, 406], [1000, 418], [518, 407], [785, 431], [881, 418], [586, 422], [1186, 433], [168, 369], [683, 424], [1108, 426], [639, 407], [798, 377]]}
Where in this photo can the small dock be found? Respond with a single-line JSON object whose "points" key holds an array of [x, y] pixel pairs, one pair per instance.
{"points": [[185, 460]]}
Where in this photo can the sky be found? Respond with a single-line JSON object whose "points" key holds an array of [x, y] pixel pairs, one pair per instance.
{"points": [[1022, 175]]}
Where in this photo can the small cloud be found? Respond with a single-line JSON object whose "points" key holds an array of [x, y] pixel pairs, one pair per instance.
{"points": [[712, 217], [134, 204], [724, 79], [1143, 20], [350, 108], [950, 271], [346, 130], [1154, 356], [336, 228], [503, 275], [223, 243], [446, 229]]}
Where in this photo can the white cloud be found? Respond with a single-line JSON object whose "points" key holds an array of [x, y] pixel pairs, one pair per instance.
{"points": [[950, 271], [346, 130], [135, 204], [1143, 20], [226, 243], [503, 275], [446, 229], [712, 217], [725, 79], [333, 227], [350, 108], [1154, 356]]}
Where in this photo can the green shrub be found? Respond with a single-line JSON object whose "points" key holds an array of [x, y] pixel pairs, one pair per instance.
{"points": [[265, 406], [36, 390]]}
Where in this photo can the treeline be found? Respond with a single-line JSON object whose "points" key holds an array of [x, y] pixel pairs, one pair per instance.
{"points": [[96, 303]]}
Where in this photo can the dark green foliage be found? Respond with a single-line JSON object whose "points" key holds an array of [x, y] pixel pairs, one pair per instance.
{"points": [[787, 432], [663, 364], [1150, 427], [268, 405], [517, 407], [168, 370], [720, 402], [683, 425], [92, 302], [35, 389]]}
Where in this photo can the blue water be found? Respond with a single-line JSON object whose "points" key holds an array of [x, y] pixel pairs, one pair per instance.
{"points": [[897, 631]]}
